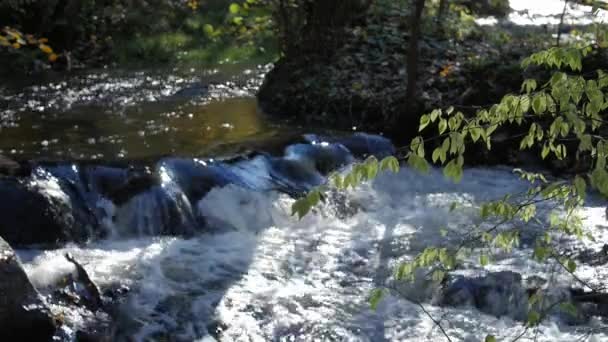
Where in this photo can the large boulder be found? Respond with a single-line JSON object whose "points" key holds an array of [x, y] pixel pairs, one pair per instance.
{"points": [[23, 314], [29, 217]]}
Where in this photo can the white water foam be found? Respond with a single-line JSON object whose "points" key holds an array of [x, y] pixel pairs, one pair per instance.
{"points": [[266, 276]]}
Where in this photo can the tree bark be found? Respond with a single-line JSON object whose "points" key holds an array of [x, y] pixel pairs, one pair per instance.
{"points": [[561, 23], [440, 18], [406, 120]]}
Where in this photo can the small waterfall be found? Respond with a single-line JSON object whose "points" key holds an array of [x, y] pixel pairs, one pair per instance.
{"points": [[93, 201]]}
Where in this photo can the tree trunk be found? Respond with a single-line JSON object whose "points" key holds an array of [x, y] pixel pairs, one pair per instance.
{"points": [[407, 121], [561, 23], [443, 7]]}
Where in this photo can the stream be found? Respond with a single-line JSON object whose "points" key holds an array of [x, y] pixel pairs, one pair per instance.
{"points": [[209, 251]]}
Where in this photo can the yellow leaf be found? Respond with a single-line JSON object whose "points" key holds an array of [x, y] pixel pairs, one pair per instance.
{"points": [[53, 57], [43, 40], [446, 70], [16, 45], [4, 41], [14, 34], [45, 48]]}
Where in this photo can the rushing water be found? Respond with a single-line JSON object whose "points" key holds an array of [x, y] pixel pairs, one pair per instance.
{"points": [[256, 273], [266, 276], [549, 12]]}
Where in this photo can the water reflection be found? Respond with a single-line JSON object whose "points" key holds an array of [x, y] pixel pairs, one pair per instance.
{"points": [[142, 114]]}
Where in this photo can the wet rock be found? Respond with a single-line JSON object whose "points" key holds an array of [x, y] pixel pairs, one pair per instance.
{"points": [[90, 293], [190, 91], [195, 177], [9, 167], [120, 185], [359, 144], [594, 258], [325, 157], [498, 294], [23, 314], [597, 301], [28, 217], [91, 315], [162, 210], [506, 294]]}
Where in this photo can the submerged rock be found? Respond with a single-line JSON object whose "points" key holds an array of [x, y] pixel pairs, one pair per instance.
{"points": [[23, 314], [498, 294], [506, 294]]}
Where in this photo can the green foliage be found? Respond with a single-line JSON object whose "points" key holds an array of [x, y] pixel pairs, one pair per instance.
{"points": [[375, 298], [562, 117], [360, 172]]}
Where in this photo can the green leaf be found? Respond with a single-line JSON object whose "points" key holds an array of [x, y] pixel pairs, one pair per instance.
{"points": [[540, 253], [300, 207], [569, 308], [539, 103], [581, 186], [571, 266], [234, 8], [484, 260], [475, 133], [436, 154], [490, 338], [314, 197], [375, 298], [443, 125], [390, 163], [435, 114], [438, 276], [424, 121], [533, 318], [208, 29], [545, 151], [337, 181], [418, 163], [529, 86]]}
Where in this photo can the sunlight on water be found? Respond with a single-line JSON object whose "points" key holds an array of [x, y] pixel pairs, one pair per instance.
{"points": [[135, 115], [541, 12], [265, 276]]}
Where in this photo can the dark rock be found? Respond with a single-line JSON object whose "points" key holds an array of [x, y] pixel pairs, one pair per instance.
{"points": [[195, 177], [594, 258], [90, 294], [118, 184], [9, 167], [498, 294], [28, 217], [325, 157], [191, 90], [23, 314]]}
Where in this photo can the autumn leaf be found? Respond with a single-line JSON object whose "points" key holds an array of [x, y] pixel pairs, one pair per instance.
{"points": [[53, 57], [46, 49], [446, 70]]}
